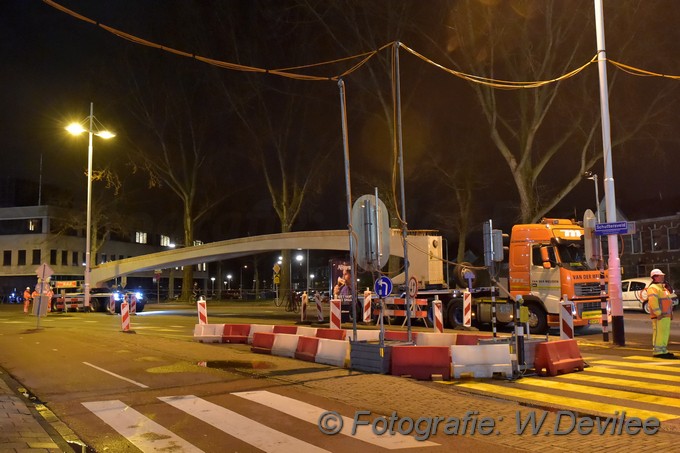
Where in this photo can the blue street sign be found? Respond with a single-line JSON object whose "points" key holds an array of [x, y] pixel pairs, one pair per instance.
{"points": [[602, 229], [383, 286]]}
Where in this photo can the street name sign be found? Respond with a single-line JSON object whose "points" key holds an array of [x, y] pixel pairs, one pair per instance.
{"points": [[603, 229]]}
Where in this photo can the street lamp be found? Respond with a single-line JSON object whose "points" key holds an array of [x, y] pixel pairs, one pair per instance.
{"points": [[212, 279], [311, 277], [593, 177], [95, 128], [240, 282], [228, 281]]}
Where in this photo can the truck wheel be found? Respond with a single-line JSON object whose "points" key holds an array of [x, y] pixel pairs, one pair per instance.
{"points": [[454, 313], [95, 305], [538, 318]]}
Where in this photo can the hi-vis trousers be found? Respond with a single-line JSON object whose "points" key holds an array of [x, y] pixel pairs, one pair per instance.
{"points": [[661, 331]]}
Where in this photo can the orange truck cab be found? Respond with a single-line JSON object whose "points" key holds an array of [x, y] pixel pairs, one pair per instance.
{"points": [[547, 261]]}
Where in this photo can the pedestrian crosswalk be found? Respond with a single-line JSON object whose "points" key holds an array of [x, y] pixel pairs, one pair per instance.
{"points": [[639, 386], [149, 435]]}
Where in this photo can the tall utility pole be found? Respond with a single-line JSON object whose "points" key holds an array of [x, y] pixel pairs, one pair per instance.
{"points": [[615, 295]]}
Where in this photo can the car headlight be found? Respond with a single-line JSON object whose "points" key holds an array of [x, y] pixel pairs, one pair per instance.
{"points": [[139, 295], [116, 297]]}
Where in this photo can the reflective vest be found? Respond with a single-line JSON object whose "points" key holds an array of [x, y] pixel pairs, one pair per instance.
{"points": [[659, 300]]}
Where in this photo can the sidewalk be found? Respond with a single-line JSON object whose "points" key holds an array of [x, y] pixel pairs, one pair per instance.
{"points": [[22, 428]]}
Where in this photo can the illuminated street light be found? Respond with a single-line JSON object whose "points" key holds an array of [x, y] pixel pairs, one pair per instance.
{"points": [[212, 279], [240, 282], [94, 128], [229, 276]]}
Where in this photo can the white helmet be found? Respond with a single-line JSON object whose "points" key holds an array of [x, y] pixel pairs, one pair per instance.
{"points": [[656, 272]]}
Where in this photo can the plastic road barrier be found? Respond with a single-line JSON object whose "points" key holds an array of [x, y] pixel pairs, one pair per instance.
{"points": [[437, 315], [125, 317], [467, 309], [367, 307], [335, 317], [202, 312], [482, 360], [566, 319]]}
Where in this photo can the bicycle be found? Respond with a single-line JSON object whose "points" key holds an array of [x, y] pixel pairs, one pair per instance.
{"points": [[292, 303]]}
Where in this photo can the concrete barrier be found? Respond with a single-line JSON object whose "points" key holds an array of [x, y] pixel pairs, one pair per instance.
{"points": [[259, 328], [307, 348], [208, 333], [470, 339], [421, 362], [332, 334], [285, 344], [482, 361], [285, 329], [306, 331], [263, 342], [235, 333], [332, 352], [363, 335], [435, 339], [397, 335]]}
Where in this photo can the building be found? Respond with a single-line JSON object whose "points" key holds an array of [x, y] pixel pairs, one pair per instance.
{"points": [[655, 244], [33, 235]]}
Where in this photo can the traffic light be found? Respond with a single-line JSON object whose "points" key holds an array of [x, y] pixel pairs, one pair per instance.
{"points": [[494, 247]]}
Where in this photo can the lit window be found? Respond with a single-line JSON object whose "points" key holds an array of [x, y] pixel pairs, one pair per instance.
{"points": [[140, 237], [165, 241]]}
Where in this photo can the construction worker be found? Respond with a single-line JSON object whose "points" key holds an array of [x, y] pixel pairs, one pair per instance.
{"points": [[49, 294], [35, 295], [305, 302], [661, 312], [27, 299]]}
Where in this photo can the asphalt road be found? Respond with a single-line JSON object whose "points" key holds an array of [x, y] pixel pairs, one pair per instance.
{"points": [[102, 383]]}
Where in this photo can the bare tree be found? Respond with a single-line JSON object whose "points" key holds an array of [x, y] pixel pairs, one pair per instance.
{"points": [[538, 130], [181, 151]]}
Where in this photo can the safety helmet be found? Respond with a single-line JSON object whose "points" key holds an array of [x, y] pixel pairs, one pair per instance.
{"points": [[656, 272]]}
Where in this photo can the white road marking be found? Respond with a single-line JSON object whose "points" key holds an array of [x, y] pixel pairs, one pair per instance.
{"points": [[243, 428], [143, 432], [311, 414], [117, 375]]}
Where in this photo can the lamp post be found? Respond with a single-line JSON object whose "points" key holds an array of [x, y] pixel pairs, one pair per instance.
{"points": [[212, 279], [240, 282], [229, 281], [93, 129], [593, 177]]}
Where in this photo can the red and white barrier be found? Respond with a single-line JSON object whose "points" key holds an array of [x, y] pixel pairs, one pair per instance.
{"points": [[112, 305], [435, 339], [336, 314], [467, 308], [133, 304], [202, 307], [437, 315], [125, 317], [332, 352], [566, 319], [367, 307]]}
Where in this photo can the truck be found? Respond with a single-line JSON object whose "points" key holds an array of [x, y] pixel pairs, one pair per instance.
{"points": [[546, 261], [68, 297]]}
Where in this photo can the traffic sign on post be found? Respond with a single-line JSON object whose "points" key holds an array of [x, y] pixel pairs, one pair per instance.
{"points": [[412, 287], [602, 229], [383, 286]]}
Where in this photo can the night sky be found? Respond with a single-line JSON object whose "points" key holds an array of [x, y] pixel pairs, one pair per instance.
{"points": [[55, 65]]}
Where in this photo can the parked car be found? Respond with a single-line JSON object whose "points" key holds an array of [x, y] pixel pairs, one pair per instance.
{"points": [[634, 294]]}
